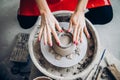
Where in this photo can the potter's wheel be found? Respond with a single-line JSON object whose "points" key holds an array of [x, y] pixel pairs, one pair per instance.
{"points": [[77, 56], [79, 70]]}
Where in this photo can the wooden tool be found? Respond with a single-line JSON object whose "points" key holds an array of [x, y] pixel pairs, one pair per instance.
{"points": [[99, 74], [113, 70], [98, 67]]}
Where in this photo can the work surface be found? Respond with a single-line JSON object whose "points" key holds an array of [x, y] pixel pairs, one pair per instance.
{"points": [[9, 28]]}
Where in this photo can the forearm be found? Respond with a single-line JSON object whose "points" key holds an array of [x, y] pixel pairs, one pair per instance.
{"points": [[43, 6], [81, 6]]}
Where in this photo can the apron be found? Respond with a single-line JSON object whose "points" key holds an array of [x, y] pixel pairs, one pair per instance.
{"points": [[29, 7]]}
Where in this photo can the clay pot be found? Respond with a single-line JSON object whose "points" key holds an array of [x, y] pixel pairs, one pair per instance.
{"points": [[66, 46]]}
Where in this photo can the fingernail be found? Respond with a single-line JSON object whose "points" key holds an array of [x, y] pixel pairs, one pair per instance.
{"points": [[44, 43], [38, 40], [74, 42], [50, 45], [68, 30], [61, 30], [89, 36]]}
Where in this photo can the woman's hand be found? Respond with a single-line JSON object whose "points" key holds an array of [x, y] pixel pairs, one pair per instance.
{"points": [[77, 23], [48, 25]]}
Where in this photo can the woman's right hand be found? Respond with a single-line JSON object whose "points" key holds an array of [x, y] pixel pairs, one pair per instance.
{"points": [[48, 25]]}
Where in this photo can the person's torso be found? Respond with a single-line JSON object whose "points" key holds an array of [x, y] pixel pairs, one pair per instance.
{"points": [[29, 7]]}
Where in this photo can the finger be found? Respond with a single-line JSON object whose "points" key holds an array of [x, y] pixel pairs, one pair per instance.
{"points": [[78, 34], [74, 34], [49, 36], [40, 33], [43, 19], [73, 20], [55, 36], [58, 26], [81, 33], [45, 36], [86, 32], [70, 26], [48, 33]]}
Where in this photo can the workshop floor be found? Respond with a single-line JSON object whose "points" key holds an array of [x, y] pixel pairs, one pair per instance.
{"points": [[9, 28]]}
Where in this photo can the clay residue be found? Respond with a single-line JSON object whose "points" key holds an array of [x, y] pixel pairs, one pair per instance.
{"points": [[70, 71]]}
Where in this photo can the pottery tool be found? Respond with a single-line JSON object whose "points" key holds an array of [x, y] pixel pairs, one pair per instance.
{"points": [[113, 70], [89, 73], [20, 51], [97, 69], [99, 73]]}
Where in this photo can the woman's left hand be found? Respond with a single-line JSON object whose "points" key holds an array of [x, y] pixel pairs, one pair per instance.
{"points": [[77, 23]]}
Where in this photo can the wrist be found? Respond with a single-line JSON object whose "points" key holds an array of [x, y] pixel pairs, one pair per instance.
{"points": [[79, 12], [44, 11], [81, 7]]}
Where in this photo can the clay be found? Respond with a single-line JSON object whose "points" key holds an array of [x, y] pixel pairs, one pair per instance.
{"points": [[66, 46], [65, 39], [58, 57], [66, 52], [78, 68], [71, 56]]}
